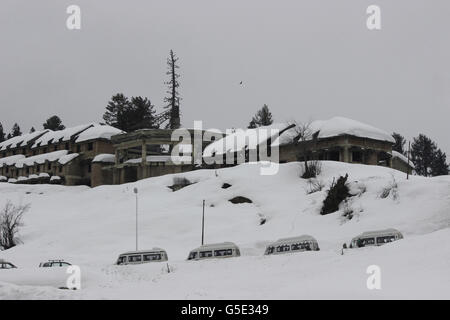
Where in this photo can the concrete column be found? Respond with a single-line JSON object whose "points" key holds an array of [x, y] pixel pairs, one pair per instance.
{"points": [[144, 153]]}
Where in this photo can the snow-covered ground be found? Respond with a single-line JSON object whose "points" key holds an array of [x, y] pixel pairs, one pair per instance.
{"points": [[91, 227]]}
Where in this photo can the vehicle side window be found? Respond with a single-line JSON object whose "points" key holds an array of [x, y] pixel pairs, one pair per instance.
{"points": [[283, 248], [152, 257], [223, 252], [270, 250], [135, 258], [368, 241], [206, 254]]}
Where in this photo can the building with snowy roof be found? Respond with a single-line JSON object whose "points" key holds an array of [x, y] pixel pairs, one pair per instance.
{"points": [[67, 154]]}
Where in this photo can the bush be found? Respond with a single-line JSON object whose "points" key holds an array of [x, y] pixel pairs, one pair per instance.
{"points": [[391, 189], [337, 193], [180, 183], [311, 169], [314, 185], [10, 221]]}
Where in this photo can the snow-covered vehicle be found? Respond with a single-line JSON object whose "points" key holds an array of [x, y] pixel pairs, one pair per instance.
{"points": [[6, 265], [293, 244], [54, 263], [216, 250], [376, 238], [143, 256]]}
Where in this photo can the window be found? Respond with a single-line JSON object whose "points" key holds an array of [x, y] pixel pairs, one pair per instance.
{"points": [[137, 258], [49, 166], [368, 241], [78, 148], [90, 146], [67, 146], [192, 255], [55, 147], [223, 252], [60, 169], [89, 168], [206, 254], [121, 260], [270, 250], [152, 257], [297, 246], [45, 150], [387, 239], [283, 248]]}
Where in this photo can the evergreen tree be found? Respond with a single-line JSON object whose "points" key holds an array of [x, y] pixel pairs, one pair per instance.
{"points": [[399, 144], [32, 130], [262, 118], [439, 164], [140, 114], [15, 130], [173, 100], [9, 136], [2, 133], [423, 151], [116, 110], [54, 123]]}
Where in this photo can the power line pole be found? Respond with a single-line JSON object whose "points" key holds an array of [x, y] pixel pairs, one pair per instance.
{"points": [[409, 151], [203, 223], [136, 192]]}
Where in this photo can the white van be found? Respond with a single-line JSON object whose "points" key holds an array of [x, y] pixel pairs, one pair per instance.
{"points": [[376, 238], [142, 256], [294, 244], [217, 250]]}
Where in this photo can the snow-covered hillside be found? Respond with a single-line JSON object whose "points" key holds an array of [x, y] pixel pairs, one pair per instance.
{"points": [[91, 227]]}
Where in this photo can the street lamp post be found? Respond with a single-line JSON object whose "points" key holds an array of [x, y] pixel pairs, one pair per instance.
{"points": [[135, 190]]}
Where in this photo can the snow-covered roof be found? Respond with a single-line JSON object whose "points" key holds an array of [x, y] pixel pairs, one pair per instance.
{"points": [[339, 126], [105, 158], [41, 158], [301, 238], [242, 139], [67, 158], [21, 140], [400, 156], [223, 245], [9, 161], [60, 135], [98, 131]]}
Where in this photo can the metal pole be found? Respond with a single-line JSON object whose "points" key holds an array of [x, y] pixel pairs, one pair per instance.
{"points": [[203, 223], [409, 151], [136, 192]]}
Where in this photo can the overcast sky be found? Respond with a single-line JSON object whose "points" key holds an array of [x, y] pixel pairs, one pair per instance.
{"points": [[306, 59]]}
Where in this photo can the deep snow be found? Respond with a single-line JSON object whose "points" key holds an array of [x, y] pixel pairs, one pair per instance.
{"points": [[91, 227]]}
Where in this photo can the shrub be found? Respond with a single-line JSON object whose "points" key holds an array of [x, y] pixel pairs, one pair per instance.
{"points": [[10, 222], [239, 199], [314, 185], [391, 189], [337, 193], [180, 183], [311, 169]]}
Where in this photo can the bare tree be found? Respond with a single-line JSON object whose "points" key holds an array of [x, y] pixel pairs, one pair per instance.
{"points": [[10, 221], [305, 141]]}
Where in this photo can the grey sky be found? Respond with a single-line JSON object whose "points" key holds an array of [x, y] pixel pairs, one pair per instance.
{"points": [[306, 59]]}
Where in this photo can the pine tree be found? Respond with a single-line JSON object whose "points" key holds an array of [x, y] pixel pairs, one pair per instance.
{"points": [[2, 133], [439, 164], [32, 130], [262, 118], [15, 130], [173, 100], [54, 123], [141, 114], [399, 144], [116, 110], [423, 151]]}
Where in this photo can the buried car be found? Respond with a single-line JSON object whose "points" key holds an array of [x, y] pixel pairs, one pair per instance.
{"points": [[216, 250], [293, 244], [143, 256], [6, 265], [376, 238]]}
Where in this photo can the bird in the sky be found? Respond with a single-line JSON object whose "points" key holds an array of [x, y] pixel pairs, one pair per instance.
{"points": [[240, 83]]}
